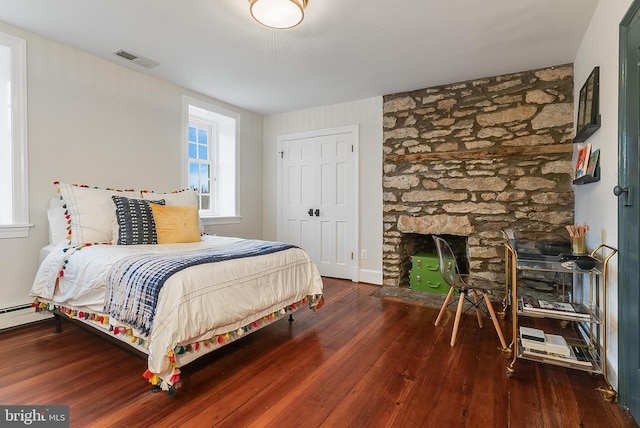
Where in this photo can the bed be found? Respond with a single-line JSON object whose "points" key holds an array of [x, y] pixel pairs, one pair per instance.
{"points": [[173, 301]]}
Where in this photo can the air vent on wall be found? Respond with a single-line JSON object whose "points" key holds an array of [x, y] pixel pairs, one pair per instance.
{"points": [[135, 58]]}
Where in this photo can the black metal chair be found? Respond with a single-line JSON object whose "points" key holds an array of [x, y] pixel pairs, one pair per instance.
{"points": [[465, 284]]}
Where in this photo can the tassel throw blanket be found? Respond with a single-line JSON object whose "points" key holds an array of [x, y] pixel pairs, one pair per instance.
{"points": [[134, 283]]}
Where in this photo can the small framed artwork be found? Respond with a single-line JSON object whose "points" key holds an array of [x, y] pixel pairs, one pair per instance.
{"points": [[593, 162], [588, 107], [587, 165], [582, 162]]}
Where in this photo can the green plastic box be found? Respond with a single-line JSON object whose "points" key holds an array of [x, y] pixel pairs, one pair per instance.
{"points": [[425, 274]]}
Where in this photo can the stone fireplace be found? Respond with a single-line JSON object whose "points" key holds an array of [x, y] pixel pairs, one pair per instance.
{"points": [[468, 159]]}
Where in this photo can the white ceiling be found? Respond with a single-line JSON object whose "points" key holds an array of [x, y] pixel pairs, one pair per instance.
{"points": [[344, 50]]}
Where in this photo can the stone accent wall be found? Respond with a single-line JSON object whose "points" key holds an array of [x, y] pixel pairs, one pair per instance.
{"points": [[470, 158]]}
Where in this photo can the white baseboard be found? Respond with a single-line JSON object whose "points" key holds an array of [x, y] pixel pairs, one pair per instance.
{"points": [[20, 317], [370, 276]]}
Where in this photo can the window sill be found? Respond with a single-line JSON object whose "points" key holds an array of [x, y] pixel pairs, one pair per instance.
{"points": [[212, 221], [15, 230]]}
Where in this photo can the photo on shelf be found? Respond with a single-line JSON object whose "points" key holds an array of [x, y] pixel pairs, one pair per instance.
{"points": [[593, 162], [582, 161]]}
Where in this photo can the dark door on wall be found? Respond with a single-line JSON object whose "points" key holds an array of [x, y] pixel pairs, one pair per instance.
{"points": [[628, 190]]}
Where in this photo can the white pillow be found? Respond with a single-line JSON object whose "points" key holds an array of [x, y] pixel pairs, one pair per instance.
{"points": [[185, 197], [57, 223], [91, 212]]}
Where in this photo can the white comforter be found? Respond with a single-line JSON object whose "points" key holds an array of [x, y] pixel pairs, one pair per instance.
{"points": [[194, 304]]}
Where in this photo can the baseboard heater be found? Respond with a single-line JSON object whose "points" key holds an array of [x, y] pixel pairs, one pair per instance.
{"points": [[14, 308], [15, 316]]}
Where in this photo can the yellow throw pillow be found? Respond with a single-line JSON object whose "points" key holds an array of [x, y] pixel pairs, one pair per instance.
{"points": [[176, 224]]}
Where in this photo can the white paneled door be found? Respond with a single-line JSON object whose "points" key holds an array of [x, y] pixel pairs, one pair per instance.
{"points": [[318, 198]]}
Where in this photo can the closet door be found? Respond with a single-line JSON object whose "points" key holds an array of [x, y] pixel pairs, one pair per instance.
{"points": [[298, 196], [318, 199]]}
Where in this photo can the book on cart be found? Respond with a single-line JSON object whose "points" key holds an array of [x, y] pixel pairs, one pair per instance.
{"points": [[532, 334], [546, 307], [536, 339], [577, 355]]}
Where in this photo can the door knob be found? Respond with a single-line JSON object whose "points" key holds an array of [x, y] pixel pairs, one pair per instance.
{"points": [[317, 212], [310, 212], [618, 191]]}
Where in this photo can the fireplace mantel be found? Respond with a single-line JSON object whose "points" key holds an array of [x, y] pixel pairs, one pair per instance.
{"points": [[483, 153]]}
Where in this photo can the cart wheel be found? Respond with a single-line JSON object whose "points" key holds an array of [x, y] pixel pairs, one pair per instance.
{"points": [[509, 371], [607, 395]]}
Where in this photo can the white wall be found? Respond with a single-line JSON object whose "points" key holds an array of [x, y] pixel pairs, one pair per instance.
{"points": [[96, 123], [595, 203], [367, 114]]}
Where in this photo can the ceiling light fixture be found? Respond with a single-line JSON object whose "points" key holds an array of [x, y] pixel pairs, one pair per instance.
{"points": [[278, 14]]}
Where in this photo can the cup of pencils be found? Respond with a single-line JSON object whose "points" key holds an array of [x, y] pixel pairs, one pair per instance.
{"points": [[577, 234]]}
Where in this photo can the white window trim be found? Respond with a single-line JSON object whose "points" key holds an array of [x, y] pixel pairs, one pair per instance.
{"points": [[186, 102], [212, 221], [15, 230], [20, 191]]}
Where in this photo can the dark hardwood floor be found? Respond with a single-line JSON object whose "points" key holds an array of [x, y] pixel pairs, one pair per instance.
{"points": [[361, 361]]}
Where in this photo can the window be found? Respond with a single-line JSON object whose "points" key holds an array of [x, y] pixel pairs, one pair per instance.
{"points": [[210, 160], [14, 209]]}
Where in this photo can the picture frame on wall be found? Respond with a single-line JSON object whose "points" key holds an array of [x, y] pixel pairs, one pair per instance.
{"points": [[588, 120]]}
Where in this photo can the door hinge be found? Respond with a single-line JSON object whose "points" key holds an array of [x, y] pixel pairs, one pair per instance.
{"points": [[352, 255], [352, 148], [281, 154]]}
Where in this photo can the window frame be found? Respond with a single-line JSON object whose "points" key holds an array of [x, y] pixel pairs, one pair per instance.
{"points": [[206, 216], [212, 148], [20, 225]]}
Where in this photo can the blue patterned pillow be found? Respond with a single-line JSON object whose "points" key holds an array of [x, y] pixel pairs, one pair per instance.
{"points": [[135, 221]]}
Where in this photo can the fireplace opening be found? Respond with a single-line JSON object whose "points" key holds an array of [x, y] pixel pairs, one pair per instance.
{"points": [[412, 243]]}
